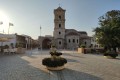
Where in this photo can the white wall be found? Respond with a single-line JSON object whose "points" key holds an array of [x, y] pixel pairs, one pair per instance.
{"points": [[11, 39], [71, 44]]}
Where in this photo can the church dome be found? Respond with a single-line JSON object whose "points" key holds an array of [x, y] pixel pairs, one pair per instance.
{"points": [[72, 33]]}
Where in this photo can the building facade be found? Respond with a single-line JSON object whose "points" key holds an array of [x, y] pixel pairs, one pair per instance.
{"points": [[59, 27], [16, 40], [64, 38], [94, 43], [67, 38]]}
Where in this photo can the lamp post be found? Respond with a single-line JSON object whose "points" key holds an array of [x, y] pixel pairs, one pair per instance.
{"points": [[40, 39]]}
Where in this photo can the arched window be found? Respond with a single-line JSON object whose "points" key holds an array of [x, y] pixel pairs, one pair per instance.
{"points": [[59, 32], [77, 40], [69, 41], [85, 43], [73, 40], [59, 25], [59, 17], [59, 42]]}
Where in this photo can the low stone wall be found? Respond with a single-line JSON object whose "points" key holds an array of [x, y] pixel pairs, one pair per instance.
{"points": [[20, 50], [90, 50], [84, 50]]}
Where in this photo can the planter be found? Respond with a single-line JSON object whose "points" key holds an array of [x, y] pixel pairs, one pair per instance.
{"points": [[56, 68], [54, 63], [109, 57]]}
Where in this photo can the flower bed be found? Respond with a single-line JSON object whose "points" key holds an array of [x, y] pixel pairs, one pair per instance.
{"points": [[54, 62]]}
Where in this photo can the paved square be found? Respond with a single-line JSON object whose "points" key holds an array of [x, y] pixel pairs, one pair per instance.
{"points": [[79, 67]]}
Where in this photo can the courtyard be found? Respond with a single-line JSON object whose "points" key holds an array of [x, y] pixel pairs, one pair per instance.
{"points": [[29, 66]]}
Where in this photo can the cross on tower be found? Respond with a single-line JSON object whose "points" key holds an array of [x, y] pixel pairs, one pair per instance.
{"points": [[59, 4]]}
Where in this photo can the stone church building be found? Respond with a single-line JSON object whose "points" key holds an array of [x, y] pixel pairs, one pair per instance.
{"points": [[62, 37]]}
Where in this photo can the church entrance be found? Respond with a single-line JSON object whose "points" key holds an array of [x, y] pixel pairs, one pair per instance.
{"points": [[46, 43]]}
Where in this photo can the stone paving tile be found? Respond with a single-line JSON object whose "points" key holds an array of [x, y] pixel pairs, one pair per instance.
{"points": [[79, 67]]}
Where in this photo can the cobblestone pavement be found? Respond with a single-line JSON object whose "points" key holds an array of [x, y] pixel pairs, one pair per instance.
{"points": [[79, 67]]}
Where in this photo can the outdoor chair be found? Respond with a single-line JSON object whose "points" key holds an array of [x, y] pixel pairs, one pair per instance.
{"points": [[6, 51], [12, 51]]}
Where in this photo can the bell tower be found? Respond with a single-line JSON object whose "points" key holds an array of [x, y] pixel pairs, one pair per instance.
{"points": [[59, 27]]}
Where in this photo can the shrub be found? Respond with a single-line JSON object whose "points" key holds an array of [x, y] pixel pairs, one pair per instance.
{"points": [[54, 62], [111, 54], [82, 46], [56, 53]]}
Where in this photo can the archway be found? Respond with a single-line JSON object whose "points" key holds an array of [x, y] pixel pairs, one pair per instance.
{"points": [[46, 43]]}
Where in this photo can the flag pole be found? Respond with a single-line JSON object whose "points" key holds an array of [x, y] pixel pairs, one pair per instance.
{"points": [[8, 29], [10, 24]]}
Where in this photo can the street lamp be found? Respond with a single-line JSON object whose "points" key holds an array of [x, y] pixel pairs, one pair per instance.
{"points": [[40, 39]]}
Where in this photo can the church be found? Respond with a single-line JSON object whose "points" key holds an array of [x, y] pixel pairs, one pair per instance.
{"points": [[64, 38]]}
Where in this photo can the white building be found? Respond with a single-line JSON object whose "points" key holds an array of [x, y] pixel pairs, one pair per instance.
{"points": [[29, 41], [16, 40], [7, 39], [94, 43]]}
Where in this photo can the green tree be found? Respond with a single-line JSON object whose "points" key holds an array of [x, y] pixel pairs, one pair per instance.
{"points": [[108, 33]]}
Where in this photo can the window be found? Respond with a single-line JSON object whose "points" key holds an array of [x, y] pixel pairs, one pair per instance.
{"points": [[85, 43], [77, 40], [59, 42], [59, 17], [73, 40], [91, 45], [59, 25], [69, 40], [59, 32]]}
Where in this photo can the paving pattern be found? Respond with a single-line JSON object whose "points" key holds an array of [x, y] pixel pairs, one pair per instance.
{"points": [[29, 66]]}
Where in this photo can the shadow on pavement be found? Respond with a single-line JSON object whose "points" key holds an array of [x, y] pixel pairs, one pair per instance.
{"points": [[117, 58], [71, 60], [16, 68], [70, 74], [76, 55]]}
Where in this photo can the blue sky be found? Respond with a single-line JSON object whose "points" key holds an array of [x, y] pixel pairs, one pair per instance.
{"points": [[28, 15]]}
